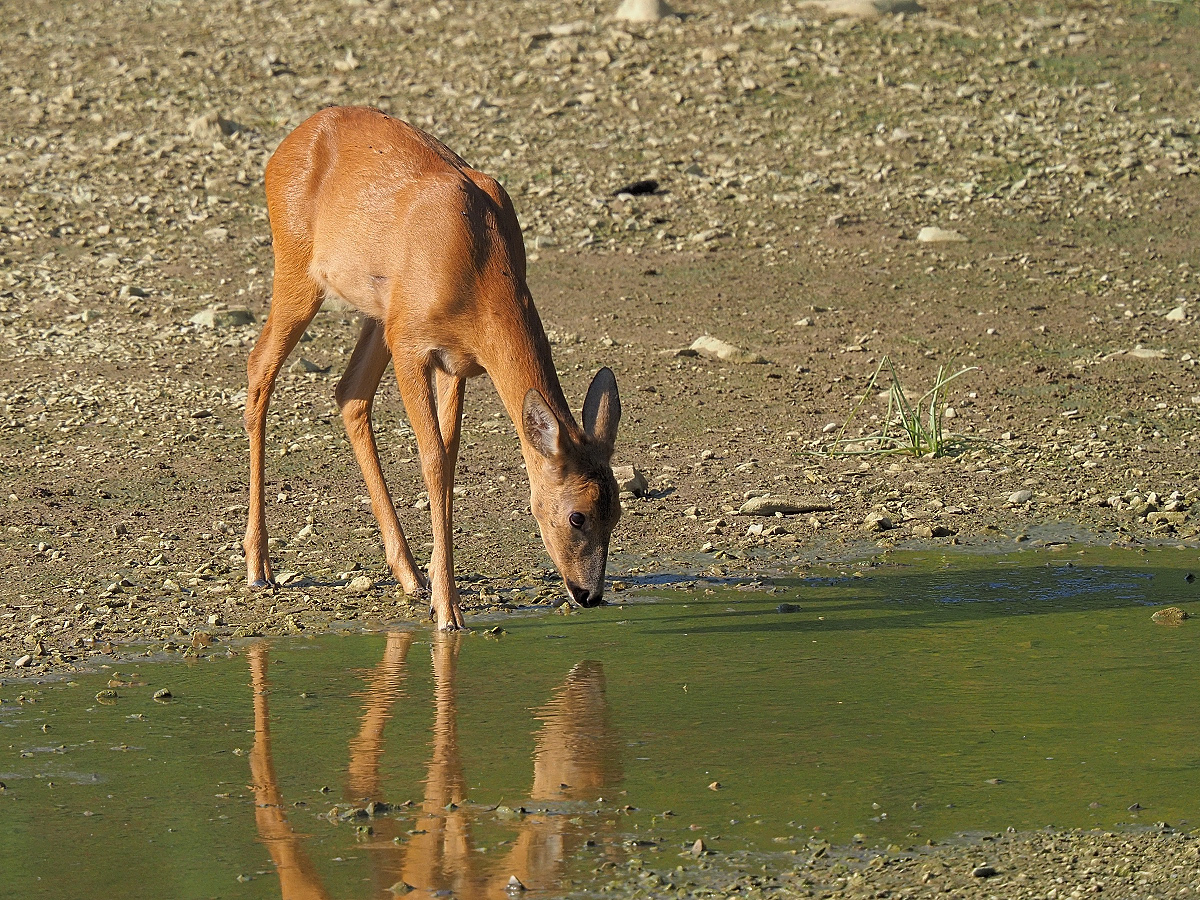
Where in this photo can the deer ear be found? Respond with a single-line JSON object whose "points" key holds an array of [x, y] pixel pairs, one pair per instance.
{"points": [[602, 408], [540, 425]]}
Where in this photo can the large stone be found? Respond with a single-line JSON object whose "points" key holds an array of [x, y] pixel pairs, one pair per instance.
{"points": [[714, 348], [769, 506]]}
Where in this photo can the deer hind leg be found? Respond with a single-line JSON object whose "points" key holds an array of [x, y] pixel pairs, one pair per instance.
{"points": [[294, 301], [416, 388], [355, 395]]}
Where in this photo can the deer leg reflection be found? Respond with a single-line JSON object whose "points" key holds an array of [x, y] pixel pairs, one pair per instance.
{"points": [[576, 758], [439, 858], [384, 687], [298, 878]]}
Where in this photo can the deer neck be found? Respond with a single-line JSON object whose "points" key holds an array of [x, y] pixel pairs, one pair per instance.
{"points": [[517, 357]]}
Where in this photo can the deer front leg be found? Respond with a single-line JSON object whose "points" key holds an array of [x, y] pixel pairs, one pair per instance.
{"points": [[416, 389], [355, 395], [295, 300]]}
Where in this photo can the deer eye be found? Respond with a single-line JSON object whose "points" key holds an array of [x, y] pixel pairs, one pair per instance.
{"points": [[576, 519]]}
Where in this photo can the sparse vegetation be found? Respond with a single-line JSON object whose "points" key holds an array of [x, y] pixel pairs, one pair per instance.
{"points": [[904, 430]]}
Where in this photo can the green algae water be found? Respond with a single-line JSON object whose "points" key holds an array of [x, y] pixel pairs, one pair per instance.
{"points": [[908, 698]]}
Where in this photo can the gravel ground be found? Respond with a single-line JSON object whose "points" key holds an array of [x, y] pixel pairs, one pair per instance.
{"points": [[797, 158], [1050, 865]]}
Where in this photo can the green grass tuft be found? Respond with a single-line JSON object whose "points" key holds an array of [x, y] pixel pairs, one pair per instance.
{"points": [[904, 430]]}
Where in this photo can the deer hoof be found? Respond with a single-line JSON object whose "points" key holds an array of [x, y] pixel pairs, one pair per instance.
{"points": [[260, 583]]}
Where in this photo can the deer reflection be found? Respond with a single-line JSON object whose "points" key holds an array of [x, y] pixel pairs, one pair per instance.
{"points": [[298, 878], [575, 759]]}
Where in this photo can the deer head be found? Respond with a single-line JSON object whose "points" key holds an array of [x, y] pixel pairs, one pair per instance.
{"points": [[573, 493]]}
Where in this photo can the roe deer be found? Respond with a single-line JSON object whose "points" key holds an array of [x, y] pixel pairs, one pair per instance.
{"points": [[371, 211]]}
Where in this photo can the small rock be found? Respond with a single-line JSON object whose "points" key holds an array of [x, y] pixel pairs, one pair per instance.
{"points": [[212, 126], [215, 619], [630, 480], [162, 694], [787, 608], [222, 318], [1016, 498], [932, 235], [877, 521], [638, 188], [769, 506], [360, 584], [1171, 615], [106, 695], [23, 661], [1178, 314], [866, 9], [932, 531], [715, 786], [644, 11], [400, 888], [698, 848], [714, 348], [514, 884], [307, 366], [984, 871]]}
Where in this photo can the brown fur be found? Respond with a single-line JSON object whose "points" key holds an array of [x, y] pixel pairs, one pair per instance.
{"points": [[371, 211]]}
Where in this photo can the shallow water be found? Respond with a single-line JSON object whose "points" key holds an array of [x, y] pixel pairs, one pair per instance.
{"points": [[910, 698]]}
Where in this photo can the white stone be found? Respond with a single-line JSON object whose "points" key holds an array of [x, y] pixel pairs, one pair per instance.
{"points": [[644, 11], [931, 235], [714, 348], [866, 9], [360, 584]]}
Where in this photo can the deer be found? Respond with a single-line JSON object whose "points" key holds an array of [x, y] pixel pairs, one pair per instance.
{"points": [[374, 213]]}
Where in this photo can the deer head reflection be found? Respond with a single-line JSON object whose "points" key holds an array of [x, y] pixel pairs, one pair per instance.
{"points": [[575, 759]]}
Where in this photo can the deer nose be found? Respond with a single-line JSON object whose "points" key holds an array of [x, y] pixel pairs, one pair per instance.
{"points": [[583, 596]]}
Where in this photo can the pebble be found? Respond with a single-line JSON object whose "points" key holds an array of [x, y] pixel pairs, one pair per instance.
{"points": [[307, 366], [769, 506], [222, 318], [932, 531], [1171, 615], [23, 661], [877, 521], [714, 348], [932, 235], [866, 9], [360, 584], [644, 11], [984, 871], [1016, 498], [631, 480], [212, 126]]}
